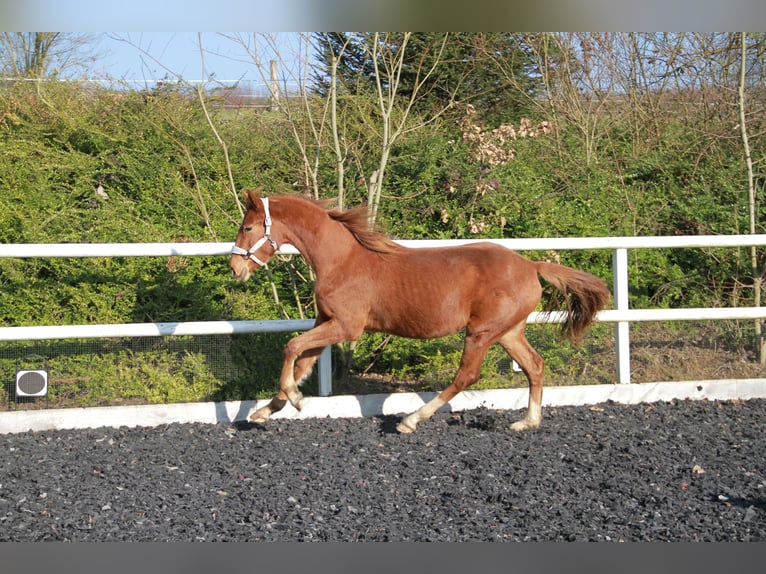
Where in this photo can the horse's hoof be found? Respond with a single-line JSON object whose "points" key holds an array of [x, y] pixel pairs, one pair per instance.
{"points": [[404, 429], [524, 424], [297, 401], [259, 417]]}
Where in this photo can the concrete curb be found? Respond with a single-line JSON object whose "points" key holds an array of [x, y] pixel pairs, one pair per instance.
{"points": [[370, 405]]}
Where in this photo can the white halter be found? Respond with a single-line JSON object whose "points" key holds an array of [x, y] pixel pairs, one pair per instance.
{"points": [[250, 254]]}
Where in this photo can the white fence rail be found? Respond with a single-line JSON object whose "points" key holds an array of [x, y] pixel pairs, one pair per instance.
{"points": [[621, 315]]}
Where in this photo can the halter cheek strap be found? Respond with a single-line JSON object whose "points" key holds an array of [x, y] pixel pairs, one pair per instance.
{"points": [[250, 253]]}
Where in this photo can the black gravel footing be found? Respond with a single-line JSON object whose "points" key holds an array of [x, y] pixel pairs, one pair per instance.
{"points": [[678, 471]]}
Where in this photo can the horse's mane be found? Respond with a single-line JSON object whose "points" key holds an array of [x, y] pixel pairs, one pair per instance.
{"points": [[358, 223], [356, 220]]}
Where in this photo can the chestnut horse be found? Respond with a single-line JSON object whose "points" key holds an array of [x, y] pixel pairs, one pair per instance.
{"points": [[366, 282]]}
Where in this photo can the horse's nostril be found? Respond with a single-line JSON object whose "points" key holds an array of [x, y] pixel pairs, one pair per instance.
{"points": [[239, 272]]}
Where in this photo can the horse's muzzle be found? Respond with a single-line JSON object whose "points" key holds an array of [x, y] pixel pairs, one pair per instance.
{"points": [[240, 268]]}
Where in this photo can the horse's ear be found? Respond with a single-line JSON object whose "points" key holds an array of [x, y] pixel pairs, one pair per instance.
{"points": [[251, 198]]}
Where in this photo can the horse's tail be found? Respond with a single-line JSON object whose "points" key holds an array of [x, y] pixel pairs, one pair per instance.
{"points": [[583, 294]]}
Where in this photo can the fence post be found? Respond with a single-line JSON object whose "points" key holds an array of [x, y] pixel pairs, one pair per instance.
{"points": [[622, 328], [325, 372], [273, 87]]}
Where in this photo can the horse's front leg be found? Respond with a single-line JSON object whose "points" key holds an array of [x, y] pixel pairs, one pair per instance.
{"points": [[264, 413], [300, 355], [301, 370], [290, 380]]}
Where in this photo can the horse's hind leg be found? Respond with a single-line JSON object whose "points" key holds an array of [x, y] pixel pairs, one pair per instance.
{"points": [[470, 368], [302, 370], [516, 345]]}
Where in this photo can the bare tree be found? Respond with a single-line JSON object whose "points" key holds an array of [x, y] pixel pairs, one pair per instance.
{"points": [[38, 55], [340, 154], [757, 277], [219, 139], [306, 117], [576, 85], [388, 59]]}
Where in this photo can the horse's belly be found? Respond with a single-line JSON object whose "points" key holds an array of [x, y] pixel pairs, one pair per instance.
{"points": [[437, 318], [412, 330]]}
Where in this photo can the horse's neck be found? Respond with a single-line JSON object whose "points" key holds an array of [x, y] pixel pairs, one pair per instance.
{"points": [[323, 242]]}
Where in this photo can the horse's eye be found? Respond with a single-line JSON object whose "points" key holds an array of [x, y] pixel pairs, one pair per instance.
{"points": [[248, 229]]}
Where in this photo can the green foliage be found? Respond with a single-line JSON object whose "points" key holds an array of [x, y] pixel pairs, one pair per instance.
{"points": [[92, 165], [468, 67]]}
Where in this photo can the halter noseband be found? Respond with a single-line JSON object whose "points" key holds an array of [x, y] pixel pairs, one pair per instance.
{"points": [[250, 254]]}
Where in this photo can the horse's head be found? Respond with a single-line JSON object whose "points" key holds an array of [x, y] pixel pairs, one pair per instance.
{"points": [[254, 245]]}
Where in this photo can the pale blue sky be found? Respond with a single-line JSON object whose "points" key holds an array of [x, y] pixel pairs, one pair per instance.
{"points": [[228, 56]]}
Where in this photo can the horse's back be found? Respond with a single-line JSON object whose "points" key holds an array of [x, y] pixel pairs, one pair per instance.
{"points": [[471, 262]]}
